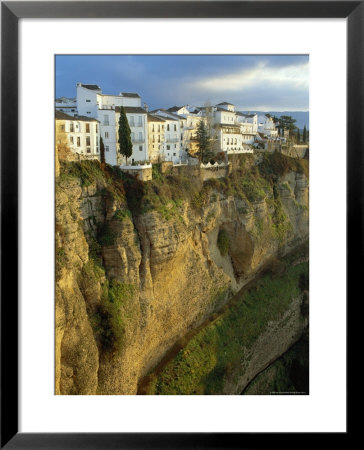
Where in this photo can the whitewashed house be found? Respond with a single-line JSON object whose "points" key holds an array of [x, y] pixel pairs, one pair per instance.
{"points": [[173, 148], [80, 134], [267, 126], [137, 118], [248, 126], [91, 102], [66, 105], [233, 132]]}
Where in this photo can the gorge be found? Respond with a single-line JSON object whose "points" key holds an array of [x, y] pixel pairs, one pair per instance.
{"points": [[207, 276]]}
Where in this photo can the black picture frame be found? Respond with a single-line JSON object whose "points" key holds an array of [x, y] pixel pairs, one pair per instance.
{"points": [[11, 12]]}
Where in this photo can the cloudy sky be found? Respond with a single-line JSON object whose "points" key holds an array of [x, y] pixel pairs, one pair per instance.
{"points": [[251, 82]]}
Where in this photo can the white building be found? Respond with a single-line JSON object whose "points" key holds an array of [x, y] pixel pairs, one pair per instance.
{"points": [[91, 102], [138, 122], [248, 126], [80, 134], [267, 126], [174, 147], [234, 130], [66, 105]]}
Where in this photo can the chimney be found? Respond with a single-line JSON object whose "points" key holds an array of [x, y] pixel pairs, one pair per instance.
{"points": [[146, 107]]}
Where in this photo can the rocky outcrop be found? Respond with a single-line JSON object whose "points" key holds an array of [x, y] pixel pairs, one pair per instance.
{"points": [[178, 274]]}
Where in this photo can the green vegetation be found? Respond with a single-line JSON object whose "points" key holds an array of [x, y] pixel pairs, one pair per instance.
{"points": [[276, 164], [281, 224], [110, 316], [121, 214], [124, 135], [60, 261], [223, 242], [106, 236], [200, 367], [105, 177], [87, 171]]}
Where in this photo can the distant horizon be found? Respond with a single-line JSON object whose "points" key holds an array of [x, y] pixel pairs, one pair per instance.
{"points": [[251, 82]]}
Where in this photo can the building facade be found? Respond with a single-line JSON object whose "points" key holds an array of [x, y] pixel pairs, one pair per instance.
{"points": [[80, 134]]}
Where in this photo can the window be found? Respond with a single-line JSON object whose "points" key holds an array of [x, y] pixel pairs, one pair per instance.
{"points": [[88, 112], [168, 127], [140, 121], [88, 101], [106, 120], [140, 136], [131, 121], [88, 150], [87, 127], [175, 127], [174, 154], [97, 128], [153, 128], [71, 127], [106, 148], [62, 127], [106, 134], [88, 140], [71, 139], [78, 142], [168, 148], [141, 148]]}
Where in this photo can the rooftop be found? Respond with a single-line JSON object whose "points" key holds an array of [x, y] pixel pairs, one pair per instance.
{"points": [[131, 109], [224, 110], [155, 118], [92, 87], [59, 115], [129, 94]]}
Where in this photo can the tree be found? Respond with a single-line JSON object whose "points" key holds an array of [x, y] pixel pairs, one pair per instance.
{"points": [[298, 136], [102, 151], [211, 129], [304, 135], [203, 141], [126, 146]]}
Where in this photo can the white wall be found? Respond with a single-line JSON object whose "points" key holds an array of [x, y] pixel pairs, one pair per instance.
{"points": [[107, 132], [86, 102]]}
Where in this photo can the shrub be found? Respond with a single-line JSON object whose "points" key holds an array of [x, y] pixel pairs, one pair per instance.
{"points": [[122, 214], [109, 319], [223, 242], [106, 236]]}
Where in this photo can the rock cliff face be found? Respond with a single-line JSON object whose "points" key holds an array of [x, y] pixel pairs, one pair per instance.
{"points": [[169, 263]]}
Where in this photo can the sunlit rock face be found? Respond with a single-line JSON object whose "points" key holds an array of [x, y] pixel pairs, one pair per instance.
{"points": [[175, 267]]}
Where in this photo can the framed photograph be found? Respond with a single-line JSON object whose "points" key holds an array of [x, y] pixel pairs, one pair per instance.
{"points": [[167, 167]]}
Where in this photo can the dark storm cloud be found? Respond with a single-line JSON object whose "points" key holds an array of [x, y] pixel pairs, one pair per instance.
{"points": [[270, 82]]}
